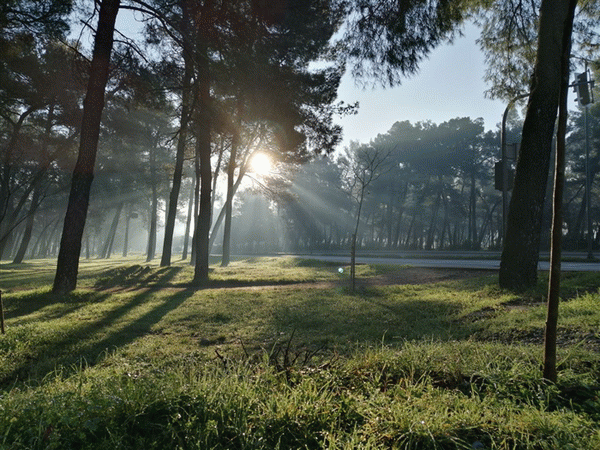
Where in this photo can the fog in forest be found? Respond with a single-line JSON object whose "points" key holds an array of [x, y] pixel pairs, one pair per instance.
{"points": [[433, 189], [279, 179]]}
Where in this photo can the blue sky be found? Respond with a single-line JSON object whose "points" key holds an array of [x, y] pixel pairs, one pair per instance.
{"points": [[448, 84]]}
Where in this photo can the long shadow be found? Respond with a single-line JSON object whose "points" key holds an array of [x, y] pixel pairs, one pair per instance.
{"points": [[140, 326], [46, 357], [121, 278], [12, 275], [343, 325], [26, 305]]}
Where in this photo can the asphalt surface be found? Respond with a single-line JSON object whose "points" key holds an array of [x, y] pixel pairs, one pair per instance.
{"points": [[451, 263]]}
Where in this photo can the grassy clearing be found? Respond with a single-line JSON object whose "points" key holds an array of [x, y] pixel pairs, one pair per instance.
{"points": [[279, 354]]}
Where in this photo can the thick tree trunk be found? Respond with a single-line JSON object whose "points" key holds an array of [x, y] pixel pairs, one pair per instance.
{"points": [[203, 147], [518, 267], [67, 267], [550, 372]]}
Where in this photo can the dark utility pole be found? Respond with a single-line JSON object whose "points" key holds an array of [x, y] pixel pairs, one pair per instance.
{"points": [[583, 88]]}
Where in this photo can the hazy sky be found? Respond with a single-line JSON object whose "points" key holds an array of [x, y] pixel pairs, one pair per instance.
{"points": [[449, 84]]}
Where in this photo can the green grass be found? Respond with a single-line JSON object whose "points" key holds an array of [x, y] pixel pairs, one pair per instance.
{"points": [[278, 353]]}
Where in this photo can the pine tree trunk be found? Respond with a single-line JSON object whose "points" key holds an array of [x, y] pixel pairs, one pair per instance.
{"points": [[110, 238], [196, 205], [520, 255], [67, 267], [45, 249], [126, 238], [203, 149], [151, 248], [221, 216], [229, 202], [188, 223], [35, 202], [473, 212], [550, 372], [181, 144]]}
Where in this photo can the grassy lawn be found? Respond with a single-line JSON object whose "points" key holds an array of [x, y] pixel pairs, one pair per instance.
{"points": [[278, 353]]}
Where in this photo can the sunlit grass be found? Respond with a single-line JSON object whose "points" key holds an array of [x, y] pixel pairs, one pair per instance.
{"points": [[279, 353]]}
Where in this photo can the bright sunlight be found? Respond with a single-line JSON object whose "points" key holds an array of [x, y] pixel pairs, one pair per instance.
{"points": [[261, 164]]}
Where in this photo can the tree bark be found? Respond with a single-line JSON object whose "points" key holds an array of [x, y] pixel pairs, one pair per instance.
{"points": [[126, 238], [188, 222], [520, 255], [181, 144], [196, 205], [203, 148], [151, 249], [67, 267], [550, 372], [235, 141]]}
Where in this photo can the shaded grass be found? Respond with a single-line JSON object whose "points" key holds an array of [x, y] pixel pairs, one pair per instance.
{"points": [[280, 354]]}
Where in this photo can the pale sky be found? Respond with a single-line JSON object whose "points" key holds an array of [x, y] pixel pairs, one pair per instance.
{"points": [[448, 84]]}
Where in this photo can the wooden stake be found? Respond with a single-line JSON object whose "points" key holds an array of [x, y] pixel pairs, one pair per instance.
{"points": [[1, 314]]}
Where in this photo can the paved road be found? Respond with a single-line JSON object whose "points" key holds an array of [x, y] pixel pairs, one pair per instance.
{"points": [[489, 264]]}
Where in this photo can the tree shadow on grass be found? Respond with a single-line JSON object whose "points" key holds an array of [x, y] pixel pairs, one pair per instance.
{"points": [[22, 309], [136, 275], [66, 348], [142, 325], [371, 318]]}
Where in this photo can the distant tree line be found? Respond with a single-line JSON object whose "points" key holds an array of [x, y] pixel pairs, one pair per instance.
{"points": [[436, 192]]}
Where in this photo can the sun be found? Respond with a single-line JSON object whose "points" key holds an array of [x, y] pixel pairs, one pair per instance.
{"points": [[261, 164]]}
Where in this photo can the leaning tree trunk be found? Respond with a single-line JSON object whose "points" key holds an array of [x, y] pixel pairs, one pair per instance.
{"points": [[110, 238], [7, 165], [67, 267], [186, 98], [35, 202], [37, 188], [557, 223], [518, 267], [221, 216], [229, 199]]}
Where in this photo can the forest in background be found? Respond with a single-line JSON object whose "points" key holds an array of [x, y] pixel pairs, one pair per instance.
{"points": [[435, 189]]}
